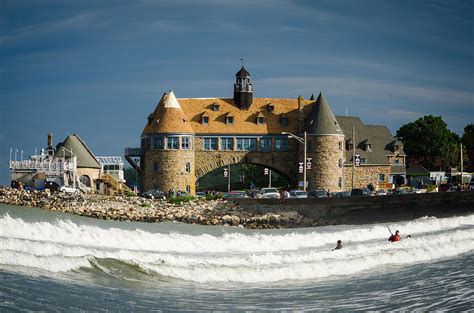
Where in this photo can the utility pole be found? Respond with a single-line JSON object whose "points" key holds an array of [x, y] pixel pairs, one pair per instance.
{"points": [[353, 156], [462, 168], [228, 178], [269, 178], [304, 168]]}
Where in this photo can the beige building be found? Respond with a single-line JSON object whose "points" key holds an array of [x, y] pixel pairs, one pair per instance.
{"points": [[186, 138]]}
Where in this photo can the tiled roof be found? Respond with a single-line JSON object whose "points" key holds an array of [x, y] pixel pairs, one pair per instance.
{"points": [[321, 120], [168, 117], [245, 121], [379, 137]]}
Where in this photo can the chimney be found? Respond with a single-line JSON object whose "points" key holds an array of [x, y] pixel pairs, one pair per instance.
{"points": [[300, 113], [50, 141]]}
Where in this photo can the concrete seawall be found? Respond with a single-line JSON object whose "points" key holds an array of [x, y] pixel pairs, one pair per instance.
{"points": [[362, 210]]}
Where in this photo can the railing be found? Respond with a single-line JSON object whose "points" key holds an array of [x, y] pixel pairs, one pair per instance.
{"points": [[41, 165], [133, 152]]}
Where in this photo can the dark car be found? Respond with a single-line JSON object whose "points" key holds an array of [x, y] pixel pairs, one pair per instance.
{"points": [[154, 194], [444, 187], [318, 193], [361, 192]]}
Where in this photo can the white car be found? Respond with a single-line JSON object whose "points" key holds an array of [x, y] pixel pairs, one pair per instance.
{"points": [[68, 189], [270, 193], [298, 194]]}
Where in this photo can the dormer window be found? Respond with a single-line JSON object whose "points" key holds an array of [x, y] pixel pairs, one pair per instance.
{"points": [[260, 119], [349, 144], [270, 107], [215, 107], [205, 119], [229, 119], [368, 147]]}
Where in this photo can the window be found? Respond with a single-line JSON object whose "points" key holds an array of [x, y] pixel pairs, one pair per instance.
{"points": [[270, 107], [396, 161], [188, 167], [247, 144], [205, 120], [340, 145], [339, 182], [368, 147], [381, 177], [284, 121], [215, 107], [229, 120], [145, 143], [210, 144], [281, 144], [265, 144], [158, 143], [185, 143], [155, 167], [188, 189], [173, 143], [227, 143], [259, 120], [340, 163]]}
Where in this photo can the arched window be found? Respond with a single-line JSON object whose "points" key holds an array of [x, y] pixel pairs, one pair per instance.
{"points": [[85, 180]]}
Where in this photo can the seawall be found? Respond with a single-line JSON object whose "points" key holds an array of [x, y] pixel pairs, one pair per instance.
{"points": [[363, 209]]}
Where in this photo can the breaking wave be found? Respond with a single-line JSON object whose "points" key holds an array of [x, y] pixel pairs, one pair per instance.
{"points": [[248, 256]]}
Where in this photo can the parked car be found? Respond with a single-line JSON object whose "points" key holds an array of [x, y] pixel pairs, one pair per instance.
{"points": [[400, 192], [471, 185], [68, 189], [236, 194], [51, 186], [154, 194], [318, 193], [444, 187], [341, 194], [361, 192], [200, 194], [381, 192], [269, 193], [298, 194]]}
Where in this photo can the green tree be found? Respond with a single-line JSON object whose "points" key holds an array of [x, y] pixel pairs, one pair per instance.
{"points": [[429, 141], [468, 137]]}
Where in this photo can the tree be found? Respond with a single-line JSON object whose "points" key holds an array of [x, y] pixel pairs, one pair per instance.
{"points": [[429, 142], [468, 142]]}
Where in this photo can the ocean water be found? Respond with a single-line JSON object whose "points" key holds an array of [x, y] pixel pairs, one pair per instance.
{"points": [[53, 261]]}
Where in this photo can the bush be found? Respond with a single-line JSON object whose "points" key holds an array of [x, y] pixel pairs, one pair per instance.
{"points": [[216, 196], [129, 194], [180, 199]]}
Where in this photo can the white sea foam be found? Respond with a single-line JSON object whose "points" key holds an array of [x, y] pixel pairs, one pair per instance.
{"points": [[239, 257]]}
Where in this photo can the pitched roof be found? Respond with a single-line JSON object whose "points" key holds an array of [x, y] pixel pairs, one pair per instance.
{"points": [[74, 143], [244, 120], [380, 138], [321, 120], [168, 117], [242, 73]]}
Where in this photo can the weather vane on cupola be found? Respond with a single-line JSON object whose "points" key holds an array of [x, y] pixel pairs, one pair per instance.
{"points": [[242, 60]]}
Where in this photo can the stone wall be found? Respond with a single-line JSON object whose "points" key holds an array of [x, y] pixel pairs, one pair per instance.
{"points": [[326, 172], [364, 175], [364, 209], [170, 170]]}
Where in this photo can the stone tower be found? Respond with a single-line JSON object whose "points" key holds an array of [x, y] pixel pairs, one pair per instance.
{"points": [[325, 146], [167, 145], [243, 90]]}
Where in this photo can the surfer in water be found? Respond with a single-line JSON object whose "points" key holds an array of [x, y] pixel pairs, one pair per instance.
{"points": [[338, 245], [395, 237]]}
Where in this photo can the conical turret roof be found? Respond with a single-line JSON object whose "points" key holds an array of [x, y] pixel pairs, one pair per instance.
{"points": [[242, 73], [84, 155], [168, 117], [321, 120]]}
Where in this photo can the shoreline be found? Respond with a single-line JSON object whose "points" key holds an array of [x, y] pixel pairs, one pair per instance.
{"points": [[138, 209]]}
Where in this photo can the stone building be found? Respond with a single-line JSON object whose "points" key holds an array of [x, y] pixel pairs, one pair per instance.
{"points": [[186, 138]]}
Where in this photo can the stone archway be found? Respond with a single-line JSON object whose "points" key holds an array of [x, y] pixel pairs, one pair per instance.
{"points": [[281, 162]]}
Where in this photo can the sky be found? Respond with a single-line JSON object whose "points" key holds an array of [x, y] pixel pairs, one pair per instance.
{"points": [[98, 68]]}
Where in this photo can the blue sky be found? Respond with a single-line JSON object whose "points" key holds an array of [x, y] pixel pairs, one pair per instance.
{"points": [[98, 68]]}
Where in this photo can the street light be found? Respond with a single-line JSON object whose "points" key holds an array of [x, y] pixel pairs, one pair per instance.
{"points": [[303, 141]]}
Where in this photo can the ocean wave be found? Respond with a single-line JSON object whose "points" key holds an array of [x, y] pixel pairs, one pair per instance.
{"points": [[61, 246]]}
